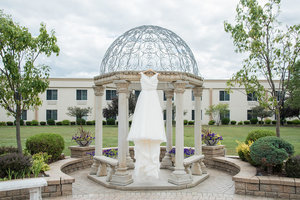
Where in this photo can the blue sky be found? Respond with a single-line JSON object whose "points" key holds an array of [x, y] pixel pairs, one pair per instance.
{"points": [[85, 29]]}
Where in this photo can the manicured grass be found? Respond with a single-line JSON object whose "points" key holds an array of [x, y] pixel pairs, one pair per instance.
{"points": [[110, 135]]}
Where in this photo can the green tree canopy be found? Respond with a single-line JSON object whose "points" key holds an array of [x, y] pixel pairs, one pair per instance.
{"points": [[216, 110], [21, 81], [261, 112], [78, 112], [271, 49]]}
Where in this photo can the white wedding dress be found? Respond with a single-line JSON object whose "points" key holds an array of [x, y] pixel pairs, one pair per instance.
{"points": [[147, 130]]}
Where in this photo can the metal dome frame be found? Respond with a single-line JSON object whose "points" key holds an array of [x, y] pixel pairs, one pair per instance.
{"points": [[146, 47]]}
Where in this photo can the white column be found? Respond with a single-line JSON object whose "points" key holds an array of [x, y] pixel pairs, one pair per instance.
{"points": [[167, 161], [196, 167], [129, 161], [122, 176], [99, 91], [179, 176]]}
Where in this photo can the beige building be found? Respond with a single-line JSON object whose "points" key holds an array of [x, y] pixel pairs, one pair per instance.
{"points": [[65, 92]]}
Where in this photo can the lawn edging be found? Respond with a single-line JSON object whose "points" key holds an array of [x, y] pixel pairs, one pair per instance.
{"points": [[247, 183]]}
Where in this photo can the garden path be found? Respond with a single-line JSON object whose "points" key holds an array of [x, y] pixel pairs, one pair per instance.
{"points": [[218, 186]]}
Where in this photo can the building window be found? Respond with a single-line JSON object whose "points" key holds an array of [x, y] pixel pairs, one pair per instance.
{"points": [[193, 115], [165, 114], [51, 94], [224, 96], [226, 114], [81, 94], [111, 94], [51, 114], [249, 114], [193, 97], [24, 115], [165, 98], [137, 93], [251, 96]]}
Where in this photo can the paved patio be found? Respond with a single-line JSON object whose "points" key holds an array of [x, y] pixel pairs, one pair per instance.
{"points": [[218, 186]]}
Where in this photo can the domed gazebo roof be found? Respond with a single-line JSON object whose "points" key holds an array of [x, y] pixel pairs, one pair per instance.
{"points": [[149, 47]]}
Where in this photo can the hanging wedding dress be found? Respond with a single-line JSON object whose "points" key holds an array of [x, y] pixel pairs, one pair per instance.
{"points": [[147, 129]]}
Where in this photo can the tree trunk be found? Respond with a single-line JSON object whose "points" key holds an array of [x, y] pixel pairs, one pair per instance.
{"points": [[18, 131], [277, 122]]}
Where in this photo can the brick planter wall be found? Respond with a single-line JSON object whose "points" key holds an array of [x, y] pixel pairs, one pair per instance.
{"points": [[212, 151]]}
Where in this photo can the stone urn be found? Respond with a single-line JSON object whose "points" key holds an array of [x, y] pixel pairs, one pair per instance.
{"points": [[211, 142], [83, 143]]}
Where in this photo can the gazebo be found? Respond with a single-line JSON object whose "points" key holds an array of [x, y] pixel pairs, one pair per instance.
{"points": [[139, 49]]}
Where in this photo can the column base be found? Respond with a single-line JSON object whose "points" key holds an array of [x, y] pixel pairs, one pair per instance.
{"points": [[166, 162], [121, 179], [180, 177]]}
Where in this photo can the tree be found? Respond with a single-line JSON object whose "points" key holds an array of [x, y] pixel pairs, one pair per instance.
{"points": [[112, 109], [293, 89], [78, 112], [261, 112], [271, 52], [21, 81], [216, 110]]}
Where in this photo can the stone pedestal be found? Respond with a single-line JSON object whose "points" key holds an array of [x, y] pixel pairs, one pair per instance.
{"points": [[212, 151], [81, 152]]}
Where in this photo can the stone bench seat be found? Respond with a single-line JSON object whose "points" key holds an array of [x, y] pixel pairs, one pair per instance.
{"points": [[101, 164], [194, 162], [34, 185]]}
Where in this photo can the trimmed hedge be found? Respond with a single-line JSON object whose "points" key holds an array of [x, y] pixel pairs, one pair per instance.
{"points": [[51, 143], [233, 122], [247, 122], [268, 121], [211, 122], [58, 124], [103, 122], [80, 122], [111, 121], [50, 122], [66, 122], [9, 123], [2, 124], [28, 123], [185, 122], [225, 121], [191, 122], [42, 123], [270, 151], [292, 167], [21, 122], [240, 123], [34, 123], [256, 134], [73, 123], [253, 121]]}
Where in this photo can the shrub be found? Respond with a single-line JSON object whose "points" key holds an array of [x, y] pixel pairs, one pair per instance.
{"points": [[274, 122], [93, 122], [292, 167], [51, 143], [89, 123], [73, 123], [2, 124], [247, 122], [261, 122], [8, 149], [185, 122], [296, 121], [28, 123], [80, 122], [225, 121], [259, 133], [240, 123], [233, 122], [243, 151], [39, 163], [289, 122], [42, 123], [253, 121], [34, 123], [191, 122], [111, 121], [50, 122], [9, 123], [103, 122], [21, 122], [270, 151], [268, 121], [66, 122], [211, 122], [14, 164], [130, 122], [58, 123]]}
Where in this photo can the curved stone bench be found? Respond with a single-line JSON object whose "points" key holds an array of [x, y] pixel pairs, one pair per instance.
{"points": [[247, 183]]}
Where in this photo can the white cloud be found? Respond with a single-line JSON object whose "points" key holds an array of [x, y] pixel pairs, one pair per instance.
{"points": [[85, 29]]}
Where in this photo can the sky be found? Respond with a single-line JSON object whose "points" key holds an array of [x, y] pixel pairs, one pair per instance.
{"points": [[86, 28]]}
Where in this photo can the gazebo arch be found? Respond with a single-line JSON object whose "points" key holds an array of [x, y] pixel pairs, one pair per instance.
{"points": [[162, 50]]}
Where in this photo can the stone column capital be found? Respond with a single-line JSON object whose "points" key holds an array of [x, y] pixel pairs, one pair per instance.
{"points": [[197, 91], [98, 90], [169, 94], [180, 86], [122, 86]]}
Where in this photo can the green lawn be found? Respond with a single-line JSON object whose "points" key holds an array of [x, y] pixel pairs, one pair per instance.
{"points": [[229, 133]]}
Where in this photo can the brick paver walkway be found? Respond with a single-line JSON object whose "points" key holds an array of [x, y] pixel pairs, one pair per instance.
{"points": [[218, 186]]}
